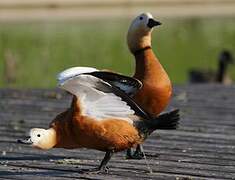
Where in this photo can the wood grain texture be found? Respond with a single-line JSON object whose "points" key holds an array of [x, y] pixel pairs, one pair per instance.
{"points": [[202, 148]]}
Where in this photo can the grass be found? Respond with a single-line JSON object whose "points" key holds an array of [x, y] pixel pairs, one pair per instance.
{"points": [[43, 50]]}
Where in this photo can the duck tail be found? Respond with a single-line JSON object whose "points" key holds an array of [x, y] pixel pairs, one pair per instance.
{"points": [[165, 121]]}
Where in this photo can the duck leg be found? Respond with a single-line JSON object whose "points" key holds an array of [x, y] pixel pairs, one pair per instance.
{"points": [[165, 121], [102, 167], [104, 162], [129, 153], [138, 154]]}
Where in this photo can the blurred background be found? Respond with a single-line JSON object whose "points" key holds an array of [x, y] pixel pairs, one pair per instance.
{"points": [[38, 39]]}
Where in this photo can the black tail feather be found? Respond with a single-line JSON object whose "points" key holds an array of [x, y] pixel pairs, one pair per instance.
{"points": [[166, 121]]}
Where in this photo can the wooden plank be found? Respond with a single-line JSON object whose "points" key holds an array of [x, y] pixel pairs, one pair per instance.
{"points": [[202, 148]]}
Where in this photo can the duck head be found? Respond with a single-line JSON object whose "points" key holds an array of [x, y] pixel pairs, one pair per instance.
{"points": [[41, 138], [139, 33]]}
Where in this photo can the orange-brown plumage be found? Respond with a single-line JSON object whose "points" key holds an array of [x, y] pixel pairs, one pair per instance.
{"points": [[76, 131], [156, 92], [156, 89], [112, 134]]}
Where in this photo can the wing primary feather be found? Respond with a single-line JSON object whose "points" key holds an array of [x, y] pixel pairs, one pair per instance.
{"points": [[138, 111], [72, 72], [127, 84], [120, 93], [97, 98]]}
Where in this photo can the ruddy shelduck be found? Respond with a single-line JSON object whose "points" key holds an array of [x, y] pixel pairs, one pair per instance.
{"points": [[102, 116], [156, 89]]}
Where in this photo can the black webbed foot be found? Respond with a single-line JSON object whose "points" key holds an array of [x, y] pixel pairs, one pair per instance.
{"points": [[97, 170]]}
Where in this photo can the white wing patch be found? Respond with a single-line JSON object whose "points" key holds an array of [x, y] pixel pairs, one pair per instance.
{"points": [[96, 98], [74, 71]]}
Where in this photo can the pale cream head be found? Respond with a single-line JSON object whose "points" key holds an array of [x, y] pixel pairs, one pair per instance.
{"points": [[139, 33], [43, 138]]}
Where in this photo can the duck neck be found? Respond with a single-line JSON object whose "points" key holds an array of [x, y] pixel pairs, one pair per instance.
{"points": [[147, 65], [63, 125], [221, 71], [137, 40]]}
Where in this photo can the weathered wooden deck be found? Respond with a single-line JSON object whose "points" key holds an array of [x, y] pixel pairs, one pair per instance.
{"points": [[202, 148]]}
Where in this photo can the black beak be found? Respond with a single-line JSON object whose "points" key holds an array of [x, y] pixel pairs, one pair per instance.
{"points": [[25, 141], [153, 23]]}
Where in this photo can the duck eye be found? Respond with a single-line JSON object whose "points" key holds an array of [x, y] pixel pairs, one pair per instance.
{"points": [[38, 135], [141, 17]]}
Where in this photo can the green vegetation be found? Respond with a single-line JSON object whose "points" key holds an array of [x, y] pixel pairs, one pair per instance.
{"points": [[42, 50]]}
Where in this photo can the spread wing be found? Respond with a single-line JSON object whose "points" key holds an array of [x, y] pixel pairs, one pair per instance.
{"points": [[127, 84], [97, 98], [72, 72]]}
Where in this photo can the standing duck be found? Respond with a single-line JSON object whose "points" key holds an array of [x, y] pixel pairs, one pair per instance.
{"points": [[156, 90], [102, 116], [220, 76]]}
